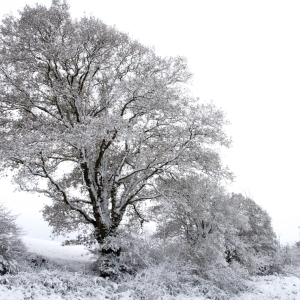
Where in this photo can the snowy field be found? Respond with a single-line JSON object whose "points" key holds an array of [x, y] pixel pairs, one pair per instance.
{"points": [[70, 282], [55, 250]]}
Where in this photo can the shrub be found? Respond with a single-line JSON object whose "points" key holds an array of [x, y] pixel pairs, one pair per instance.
{"points": [[11, 245]]}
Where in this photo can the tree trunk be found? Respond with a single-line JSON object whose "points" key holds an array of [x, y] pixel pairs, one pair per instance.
{"points": [[108, 264]]}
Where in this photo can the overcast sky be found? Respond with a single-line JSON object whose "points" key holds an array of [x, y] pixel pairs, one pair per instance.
{"points": [[245, 56]]}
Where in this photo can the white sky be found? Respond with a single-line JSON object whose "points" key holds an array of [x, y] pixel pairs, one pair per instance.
{"points": [[245, 56]]}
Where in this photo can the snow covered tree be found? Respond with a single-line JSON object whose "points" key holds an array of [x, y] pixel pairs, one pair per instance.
{"points": [[188, 221], [217, 227], [94, 120], [259, 235], [254, 244], [11, 245]]}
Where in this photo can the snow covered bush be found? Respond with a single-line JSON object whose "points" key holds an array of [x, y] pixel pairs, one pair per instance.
{"points": [[287, 259], [11, 245], [36, 262], [254, 244], [170, 280], [57, 284]]}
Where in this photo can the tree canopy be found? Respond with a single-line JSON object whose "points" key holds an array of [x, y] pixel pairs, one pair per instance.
{"points": [[94, 120]]}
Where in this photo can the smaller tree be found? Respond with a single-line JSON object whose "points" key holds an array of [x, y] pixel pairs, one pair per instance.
{"points": [[11, 245], [217, 227], [260, 234], [192, 217]]}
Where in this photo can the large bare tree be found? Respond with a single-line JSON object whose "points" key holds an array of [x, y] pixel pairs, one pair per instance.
{"points": [[93, 120]]}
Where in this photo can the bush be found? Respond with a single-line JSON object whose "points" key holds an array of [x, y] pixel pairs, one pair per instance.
{"points": [[11, 245], [172, 280]]}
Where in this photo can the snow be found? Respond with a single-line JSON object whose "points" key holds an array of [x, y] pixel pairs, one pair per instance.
{"points": [[76, 285], [19, 294], [272, 287], [52, 249]]}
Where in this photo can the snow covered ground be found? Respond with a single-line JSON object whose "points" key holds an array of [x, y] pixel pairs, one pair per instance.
{"points": [[54, 250], [75, 285], [272, 287]]}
